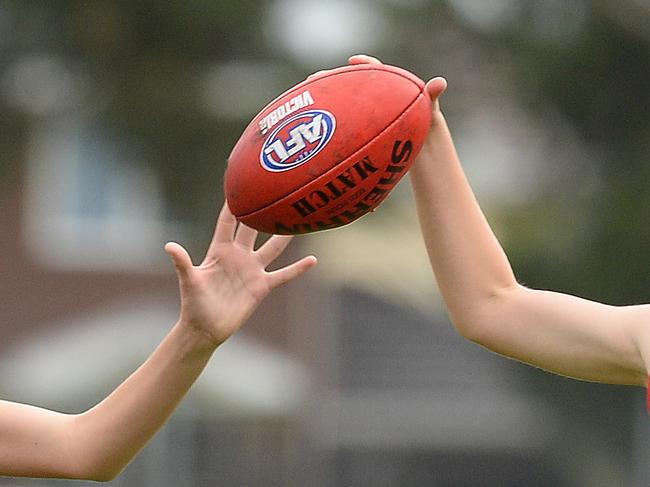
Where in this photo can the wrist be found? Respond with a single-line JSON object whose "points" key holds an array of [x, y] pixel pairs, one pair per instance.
{"points": [[196, 337]]}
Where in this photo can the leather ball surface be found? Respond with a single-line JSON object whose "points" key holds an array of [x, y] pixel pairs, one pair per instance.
{"points": [[328, 150]]}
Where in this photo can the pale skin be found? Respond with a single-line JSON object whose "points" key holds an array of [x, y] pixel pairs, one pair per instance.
{"points": [[217, 297], [564, 334]]}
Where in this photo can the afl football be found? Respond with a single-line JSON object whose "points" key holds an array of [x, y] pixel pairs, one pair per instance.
{"points": [[329, 150]]}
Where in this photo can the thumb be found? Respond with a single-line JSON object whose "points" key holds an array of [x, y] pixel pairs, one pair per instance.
{"points": [[180, 258], [435, 88], [363, 59]]}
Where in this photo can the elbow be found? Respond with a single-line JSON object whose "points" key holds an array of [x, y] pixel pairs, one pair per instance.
{"points": [[477, 321], [104, 476], [94, 464], [79, 456], [90, 456], [96, 473], [471, 326]]}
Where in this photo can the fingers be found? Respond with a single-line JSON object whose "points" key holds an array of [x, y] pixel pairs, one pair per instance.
{"points": [[224, 230], [291, 272], [435, 88], [363, 59], [180, 258], [355, 59], [318, 73], [272, 248], [246, 236], [226, 225]]}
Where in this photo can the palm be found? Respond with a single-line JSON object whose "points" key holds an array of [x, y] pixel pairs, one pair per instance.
{"points": [[218, 295]]}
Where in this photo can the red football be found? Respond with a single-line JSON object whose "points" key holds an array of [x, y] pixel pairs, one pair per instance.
{"points": [[328, 150]]}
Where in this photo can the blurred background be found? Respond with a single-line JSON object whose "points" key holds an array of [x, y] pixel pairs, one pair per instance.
{"points": [[116, 120]]}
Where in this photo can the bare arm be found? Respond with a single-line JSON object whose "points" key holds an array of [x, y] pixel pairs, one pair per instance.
{"points": [[216, 299], [558, 332]]}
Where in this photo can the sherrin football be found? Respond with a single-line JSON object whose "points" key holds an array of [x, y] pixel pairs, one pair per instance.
{"points": [[328, 150]]}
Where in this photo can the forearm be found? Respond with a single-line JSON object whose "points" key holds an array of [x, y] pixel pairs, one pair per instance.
{"points": [[468, 261], [216, 298], [99, 443], [555, 331], [110, 434]]}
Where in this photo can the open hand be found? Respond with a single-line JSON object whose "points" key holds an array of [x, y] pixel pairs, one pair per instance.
{"points": [[218, 295]]}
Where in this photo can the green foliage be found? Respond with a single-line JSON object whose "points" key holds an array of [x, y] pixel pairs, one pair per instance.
{"points": [[600, 85]]}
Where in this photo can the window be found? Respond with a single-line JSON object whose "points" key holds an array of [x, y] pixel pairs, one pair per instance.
{"points": [[91, 201]]}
